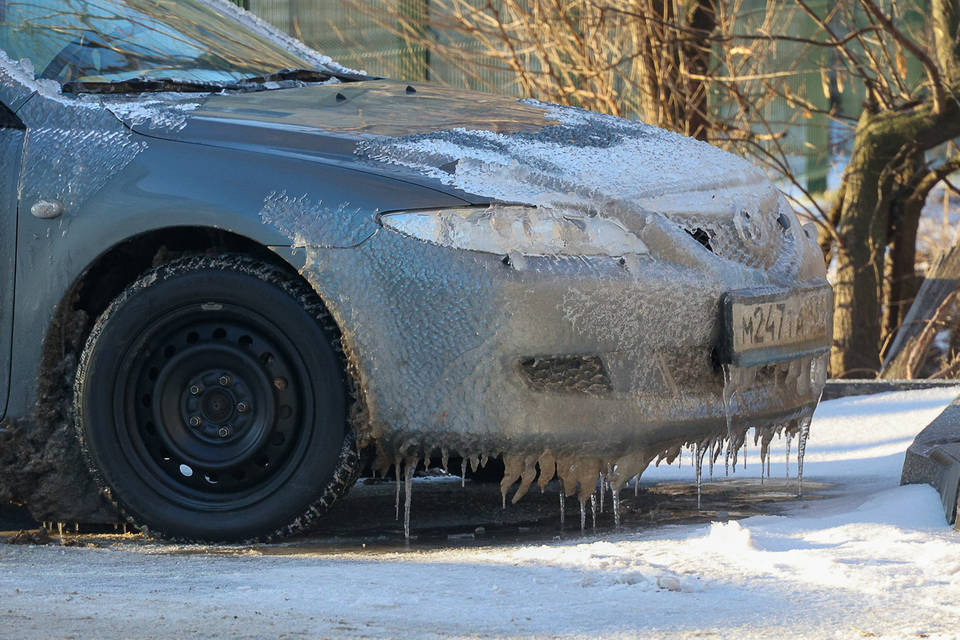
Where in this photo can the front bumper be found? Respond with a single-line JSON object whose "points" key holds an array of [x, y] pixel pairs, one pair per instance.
{"points": [[478, 355]]}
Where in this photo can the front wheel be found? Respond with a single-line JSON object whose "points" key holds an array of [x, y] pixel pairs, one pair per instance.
{"points": [[211, 402]]}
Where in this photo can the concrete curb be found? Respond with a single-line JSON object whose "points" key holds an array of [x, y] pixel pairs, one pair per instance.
{"points": [[934, 456], [934, 459]]}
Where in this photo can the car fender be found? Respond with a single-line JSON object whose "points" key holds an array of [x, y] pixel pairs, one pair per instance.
{"points": [[273, 201]]}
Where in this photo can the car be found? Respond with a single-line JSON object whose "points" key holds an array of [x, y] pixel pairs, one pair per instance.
{"points": [[230, 266]]}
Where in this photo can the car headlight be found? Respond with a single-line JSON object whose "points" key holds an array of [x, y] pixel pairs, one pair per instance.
{"points": [[503, 229]]}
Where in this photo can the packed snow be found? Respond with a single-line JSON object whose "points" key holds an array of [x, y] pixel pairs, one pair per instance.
{"points": [[863, 558]]}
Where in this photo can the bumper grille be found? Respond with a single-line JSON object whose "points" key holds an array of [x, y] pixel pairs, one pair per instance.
{"points": [[755, 241], [566, 374]]}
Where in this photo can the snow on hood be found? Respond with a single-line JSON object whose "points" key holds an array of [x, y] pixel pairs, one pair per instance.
{"points": [[585, 160], [647, 179]]}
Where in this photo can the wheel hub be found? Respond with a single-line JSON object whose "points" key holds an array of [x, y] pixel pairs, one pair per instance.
{"points": [[216, 403]]}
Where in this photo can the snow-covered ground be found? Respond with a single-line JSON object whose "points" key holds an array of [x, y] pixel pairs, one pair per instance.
{"points": [[869, 559]]}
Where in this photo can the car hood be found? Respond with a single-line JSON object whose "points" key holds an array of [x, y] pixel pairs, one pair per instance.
{"points": [[476, 146]]}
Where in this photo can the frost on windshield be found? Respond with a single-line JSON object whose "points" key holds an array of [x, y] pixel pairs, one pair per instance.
{"points": [[493, 336]]}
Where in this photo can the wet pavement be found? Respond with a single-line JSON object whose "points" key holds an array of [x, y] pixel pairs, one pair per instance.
{"points": [[446, 514]]}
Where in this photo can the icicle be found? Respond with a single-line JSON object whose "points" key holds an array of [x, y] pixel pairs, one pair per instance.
{"points": [[583, 516], [60, 531], [444, 459], [615, 492], [548, 469], [593, 509], [728, 393], [744, 452], [513, 470], [763, 463], [698, 461], [787, 463], [563, 502], [801, 450], [463, 472], [408, 490], [733, 381], [603, 489], [711, 459], [396, 471], [636, 486], [765, 453]]}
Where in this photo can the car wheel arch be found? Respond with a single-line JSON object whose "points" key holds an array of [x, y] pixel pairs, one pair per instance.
{"points": [[100, 281]]}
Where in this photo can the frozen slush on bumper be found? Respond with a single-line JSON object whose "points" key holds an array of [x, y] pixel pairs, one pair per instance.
{"points": [[651, 292]]}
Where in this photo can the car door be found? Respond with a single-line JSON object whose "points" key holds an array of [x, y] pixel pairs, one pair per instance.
{"points": [[11, 149], [15, 91]]}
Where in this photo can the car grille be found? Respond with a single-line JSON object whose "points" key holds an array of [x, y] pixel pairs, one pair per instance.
{"points": [[754, 241]]}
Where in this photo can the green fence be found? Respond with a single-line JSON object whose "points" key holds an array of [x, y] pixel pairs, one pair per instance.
{"points": [[360, 40]]}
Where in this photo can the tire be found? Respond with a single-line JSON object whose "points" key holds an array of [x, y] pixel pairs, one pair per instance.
{"points": [[211, 402]]}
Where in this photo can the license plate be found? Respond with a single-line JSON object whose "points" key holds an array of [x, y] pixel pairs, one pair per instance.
{"points": [[761, 326]]}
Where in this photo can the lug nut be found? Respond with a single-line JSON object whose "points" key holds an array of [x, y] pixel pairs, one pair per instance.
{"points": [[195, 421], [280, 383], [224, 381], [223, 432], [242, 407], [196, 390]]}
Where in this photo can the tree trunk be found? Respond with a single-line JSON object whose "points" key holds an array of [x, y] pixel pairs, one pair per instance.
{"points": [[862, 231], [902, 283]]}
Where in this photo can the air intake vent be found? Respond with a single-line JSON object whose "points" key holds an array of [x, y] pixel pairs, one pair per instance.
{"points": [[566, 374]]}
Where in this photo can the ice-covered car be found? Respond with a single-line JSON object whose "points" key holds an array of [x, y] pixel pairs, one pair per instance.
{"points": [[230, 264]]}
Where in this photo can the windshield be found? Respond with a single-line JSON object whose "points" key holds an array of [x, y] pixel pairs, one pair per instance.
{"points": [[115, 40]]}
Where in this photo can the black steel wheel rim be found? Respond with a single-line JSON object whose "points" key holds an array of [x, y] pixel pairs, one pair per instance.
{"points": [[213, 406]]}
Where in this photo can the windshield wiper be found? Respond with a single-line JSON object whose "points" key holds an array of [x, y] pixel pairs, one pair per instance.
{"points": [[145, 85], [142, 84]]}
